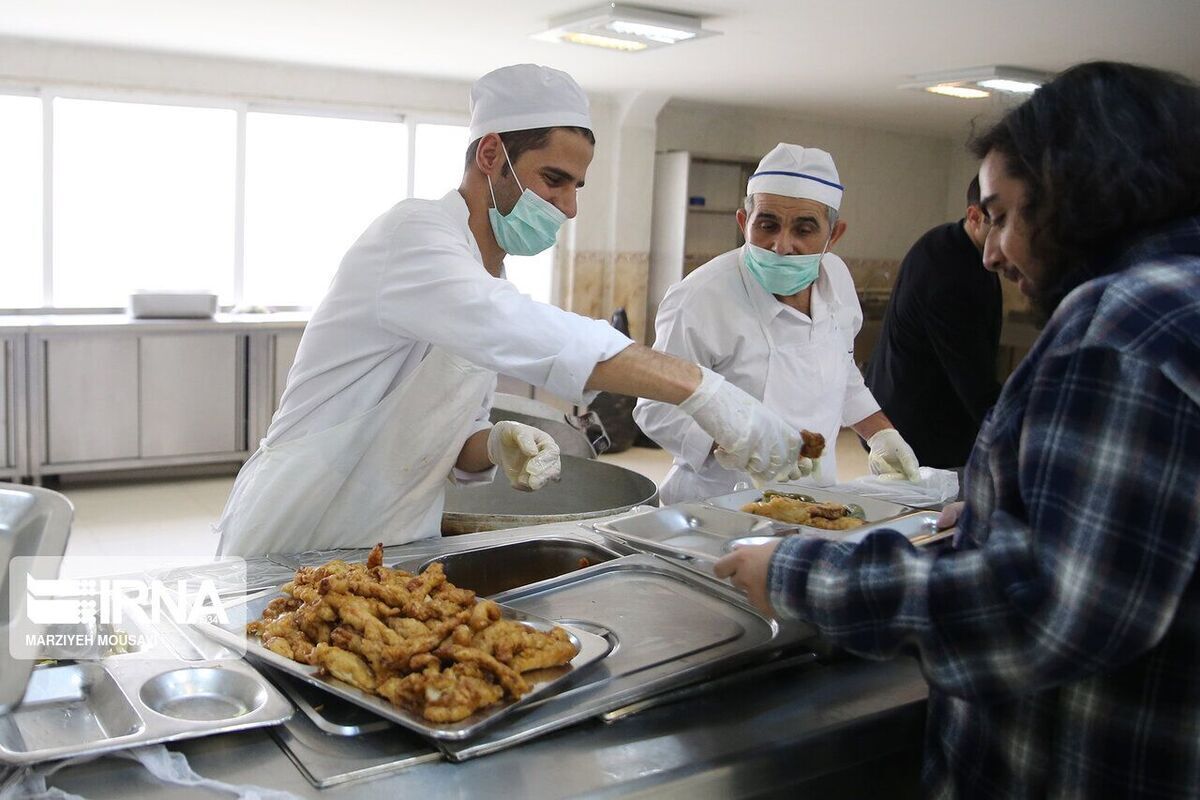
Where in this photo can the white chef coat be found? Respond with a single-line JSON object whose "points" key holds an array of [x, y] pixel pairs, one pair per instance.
{"points": [[716, 317], [415, 280]]}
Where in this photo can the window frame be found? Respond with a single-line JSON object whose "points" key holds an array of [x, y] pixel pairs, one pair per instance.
{"points": [[241, 105]]}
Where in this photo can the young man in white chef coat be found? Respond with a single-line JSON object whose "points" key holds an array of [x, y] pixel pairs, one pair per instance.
{"points": [[776, 317], [391, 388]]}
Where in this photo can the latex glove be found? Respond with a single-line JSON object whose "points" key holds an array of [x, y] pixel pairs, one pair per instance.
{"points": [[892, 457], [749, 436], [528, 455]]}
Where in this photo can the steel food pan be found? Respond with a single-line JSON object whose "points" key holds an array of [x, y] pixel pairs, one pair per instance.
{"points": [[590, 648], [872, 510], [492, 569], [329, 713], [920, 528], [669, 626], [126, 701], [694, 530], [332, 760]]}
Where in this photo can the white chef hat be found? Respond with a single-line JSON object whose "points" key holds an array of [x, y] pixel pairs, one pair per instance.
{"points": [[525, 96], [794, 171]]}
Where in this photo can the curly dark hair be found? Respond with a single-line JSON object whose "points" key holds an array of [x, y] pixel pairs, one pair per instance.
{"points": [[1108, 152], [518, 142]]}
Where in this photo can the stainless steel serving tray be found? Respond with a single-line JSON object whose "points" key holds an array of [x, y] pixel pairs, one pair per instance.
{"points": [[94, 707], [873, 510], [668, 625], [919, 527], [330, 714], [693, 530], [591, 648], [335, 741], [326, 760], [706, 533]]}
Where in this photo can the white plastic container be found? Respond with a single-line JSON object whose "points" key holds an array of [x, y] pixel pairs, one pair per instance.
{"points": [[172, 304]]}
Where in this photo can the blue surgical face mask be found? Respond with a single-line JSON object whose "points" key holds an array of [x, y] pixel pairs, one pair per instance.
{"points": [[782, 275], [532, 225]]}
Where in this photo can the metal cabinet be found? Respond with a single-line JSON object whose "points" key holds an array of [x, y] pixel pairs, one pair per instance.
{"points": [[190, 400], [12, 407], [129, 399], [91, 408], [7, 457], [135, 396]]}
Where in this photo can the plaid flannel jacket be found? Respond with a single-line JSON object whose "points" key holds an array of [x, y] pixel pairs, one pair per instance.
{"points": [[1061, 635]]}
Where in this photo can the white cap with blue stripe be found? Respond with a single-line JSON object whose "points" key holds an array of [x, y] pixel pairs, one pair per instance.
{"points": [[794, 171]]}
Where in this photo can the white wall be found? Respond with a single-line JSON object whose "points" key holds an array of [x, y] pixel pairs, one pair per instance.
{"points": [[963, 167], [896, 184]]}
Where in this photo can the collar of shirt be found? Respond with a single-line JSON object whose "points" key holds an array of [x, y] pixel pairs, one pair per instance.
{"points": [[767, 306]]}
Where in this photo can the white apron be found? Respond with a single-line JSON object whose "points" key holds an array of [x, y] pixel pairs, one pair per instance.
{"points": [[377, 477], [805, 384]]}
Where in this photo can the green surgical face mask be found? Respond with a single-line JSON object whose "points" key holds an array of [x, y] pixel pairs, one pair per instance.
{"points": [[782, 275], [532, 225]]}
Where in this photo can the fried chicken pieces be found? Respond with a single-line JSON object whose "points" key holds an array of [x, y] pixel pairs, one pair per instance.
{"points": [[417, 640], [812, 445], [829, 516]]}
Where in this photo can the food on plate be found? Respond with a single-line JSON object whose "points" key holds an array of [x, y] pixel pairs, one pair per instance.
{"points": [[417, 640], [829, 516], [812, 445]]}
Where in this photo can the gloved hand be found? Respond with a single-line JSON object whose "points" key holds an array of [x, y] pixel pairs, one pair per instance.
{"points": [[749, 436], [892, 457], [805, 466], [528, 455]]}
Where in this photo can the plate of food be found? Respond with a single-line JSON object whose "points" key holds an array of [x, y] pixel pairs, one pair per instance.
{"points": [[809, 507], [414, 649]]}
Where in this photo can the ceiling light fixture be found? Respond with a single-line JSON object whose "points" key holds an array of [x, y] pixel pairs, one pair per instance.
{"points": [[979, 82], [629, 29]]}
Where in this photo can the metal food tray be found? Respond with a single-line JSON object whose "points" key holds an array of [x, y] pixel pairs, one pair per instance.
{"points": [[873, 510], [94, 707], [590, 648], [335, 742], [693, 530], [669, 625], [920, 528], [326, 760], [329, 713]]}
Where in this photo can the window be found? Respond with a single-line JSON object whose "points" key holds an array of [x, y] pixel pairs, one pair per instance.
{"points": [[20, 202], [143, 199], [441, 154], [313, 185], [257, 205]]}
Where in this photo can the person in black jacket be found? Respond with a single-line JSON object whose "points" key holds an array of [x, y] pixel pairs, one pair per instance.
{"points": [[934, 367]]}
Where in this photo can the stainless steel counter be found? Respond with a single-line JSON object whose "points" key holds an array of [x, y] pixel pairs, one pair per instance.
{"points": [[847, 729], [83, 323], [839, 728]]}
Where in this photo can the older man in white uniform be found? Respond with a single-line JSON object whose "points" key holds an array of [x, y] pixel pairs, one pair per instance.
{"points": [[776, 317], [390, 391]]}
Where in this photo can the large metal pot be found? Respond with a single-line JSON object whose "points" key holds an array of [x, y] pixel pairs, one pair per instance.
{"points": [[587, 489]]}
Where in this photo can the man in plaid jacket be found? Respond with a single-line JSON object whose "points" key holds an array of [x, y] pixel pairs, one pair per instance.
{"points": [[1061, 634]]}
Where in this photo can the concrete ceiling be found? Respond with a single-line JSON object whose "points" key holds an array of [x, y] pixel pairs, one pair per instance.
{"points": [[836, 60]]}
